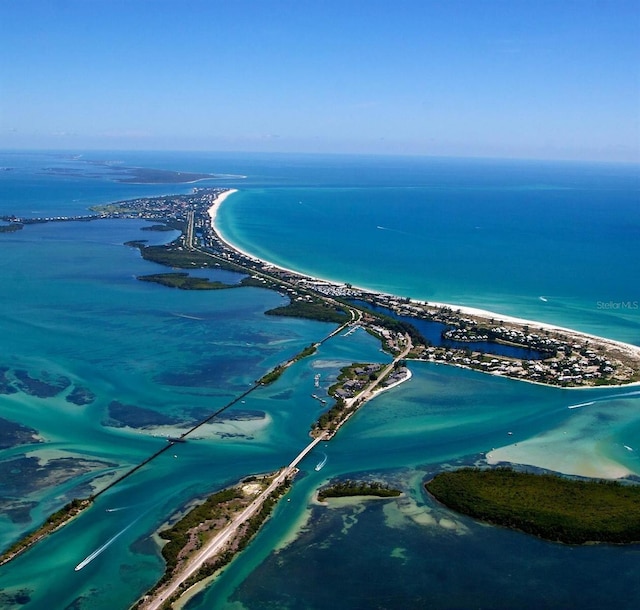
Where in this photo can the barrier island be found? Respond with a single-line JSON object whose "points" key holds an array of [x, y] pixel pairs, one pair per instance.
{"points": [[545, 506], [548, 506], [468, 337]]}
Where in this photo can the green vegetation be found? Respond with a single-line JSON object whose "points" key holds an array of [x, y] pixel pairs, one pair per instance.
{"points": [[275, 373], [272, 375], [178, 535], [315, 309], [158, 228], [183, 281], [331, 418], [175, 255], [356, 372], [549, 506], [111, 209], [307, 351], [55, 521], [222, 505], [357, 488], [351, 380], [11, 228], [249, 531]]}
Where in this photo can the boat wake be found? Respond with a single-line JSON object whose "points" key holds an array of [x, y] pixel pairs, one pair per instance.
{"points": [[381, 228], [634, 394], [184, 315], [89, 558], [322, 462], [582, 404]]}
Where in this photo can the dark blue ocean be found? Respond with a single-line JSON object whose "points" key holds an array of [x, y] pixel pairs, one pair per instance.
{"points": [[550, 242]]}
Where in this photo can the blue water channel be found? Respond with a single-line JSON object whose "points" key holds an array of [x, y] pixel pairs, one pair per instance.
{"points": [[432, 332]]}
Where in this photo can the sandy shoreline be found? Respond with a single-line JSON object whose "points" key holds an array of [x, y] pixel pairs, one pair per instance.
{"points": [[632, 350], [213, 210], [583, 459], [482, 313]]}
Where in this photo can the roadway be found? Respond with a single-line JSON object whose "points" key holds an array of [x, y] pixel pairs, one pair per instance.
{"points": [[219, 541]]}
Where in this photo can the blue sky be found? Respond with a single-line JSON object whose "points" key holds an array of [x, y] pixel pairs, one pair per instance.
{"points": [[490, 78]]}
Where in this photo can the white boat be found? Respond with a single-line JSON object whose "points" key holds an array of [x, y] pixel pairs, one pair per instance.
{"points": [[321, 463]]}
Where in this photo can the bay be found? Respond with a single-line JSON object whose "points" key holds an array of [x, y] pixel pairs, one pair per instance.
{"points": [[493, 234]]}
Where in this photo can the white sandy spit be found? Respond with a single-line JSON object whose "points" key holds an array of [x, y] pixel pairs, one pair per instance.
{"points": [[630, 349]]}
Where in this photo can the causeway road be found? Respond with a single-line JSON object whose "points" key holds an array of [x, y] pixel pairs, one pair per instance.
{"points": [[218, 542]]}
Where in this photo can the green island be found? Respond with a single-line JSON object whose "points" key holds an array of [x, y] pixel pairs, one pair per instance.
{"points": [[275, 372], [174, 255], [203, 525], [314, 309], [55, 521], [183, 280], [546, 505], [345, 489], [272, 375], [11, 228]]}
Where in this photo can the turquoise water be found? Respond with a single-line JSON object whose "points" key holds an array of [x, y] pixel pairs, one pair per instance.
{"points": [[551, 252], [497, 235]]}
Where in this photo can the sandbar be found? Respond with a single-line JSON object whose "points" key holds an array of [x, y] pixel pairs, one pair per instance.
{"points": [[577, 458]]}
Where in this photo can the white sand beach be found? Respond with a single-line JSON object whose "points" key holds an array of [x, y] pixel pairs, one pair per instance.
{"points": [[213, 210], [630, 349], [633, 351], [546, 451]]}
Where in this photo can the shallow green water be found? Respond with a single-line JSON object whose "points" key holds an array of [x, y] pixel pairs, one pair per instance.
{"points": [[73, 315]]}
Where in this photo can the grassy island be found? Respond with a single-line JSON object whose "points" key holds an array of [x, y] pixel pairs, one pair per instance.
{"points": [[345, 489], [202, 524], [272, 375], [549, 506], [174, 255], [11, 228], [188, 531], [54, 522], [313, 309], [183, 280]]}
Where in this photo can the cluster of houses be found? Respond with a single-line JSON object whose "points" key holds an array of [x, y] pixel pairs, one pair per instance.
{"points": [[395, 376], [576, 369], [568, 363], [168, 207], [328, 289], [359, 377]]}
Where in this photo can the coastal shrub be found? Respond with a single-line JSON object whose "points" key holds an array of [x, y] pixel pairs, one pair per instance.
{"points": [[357, 488], [313, 310], [549, 506]]}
